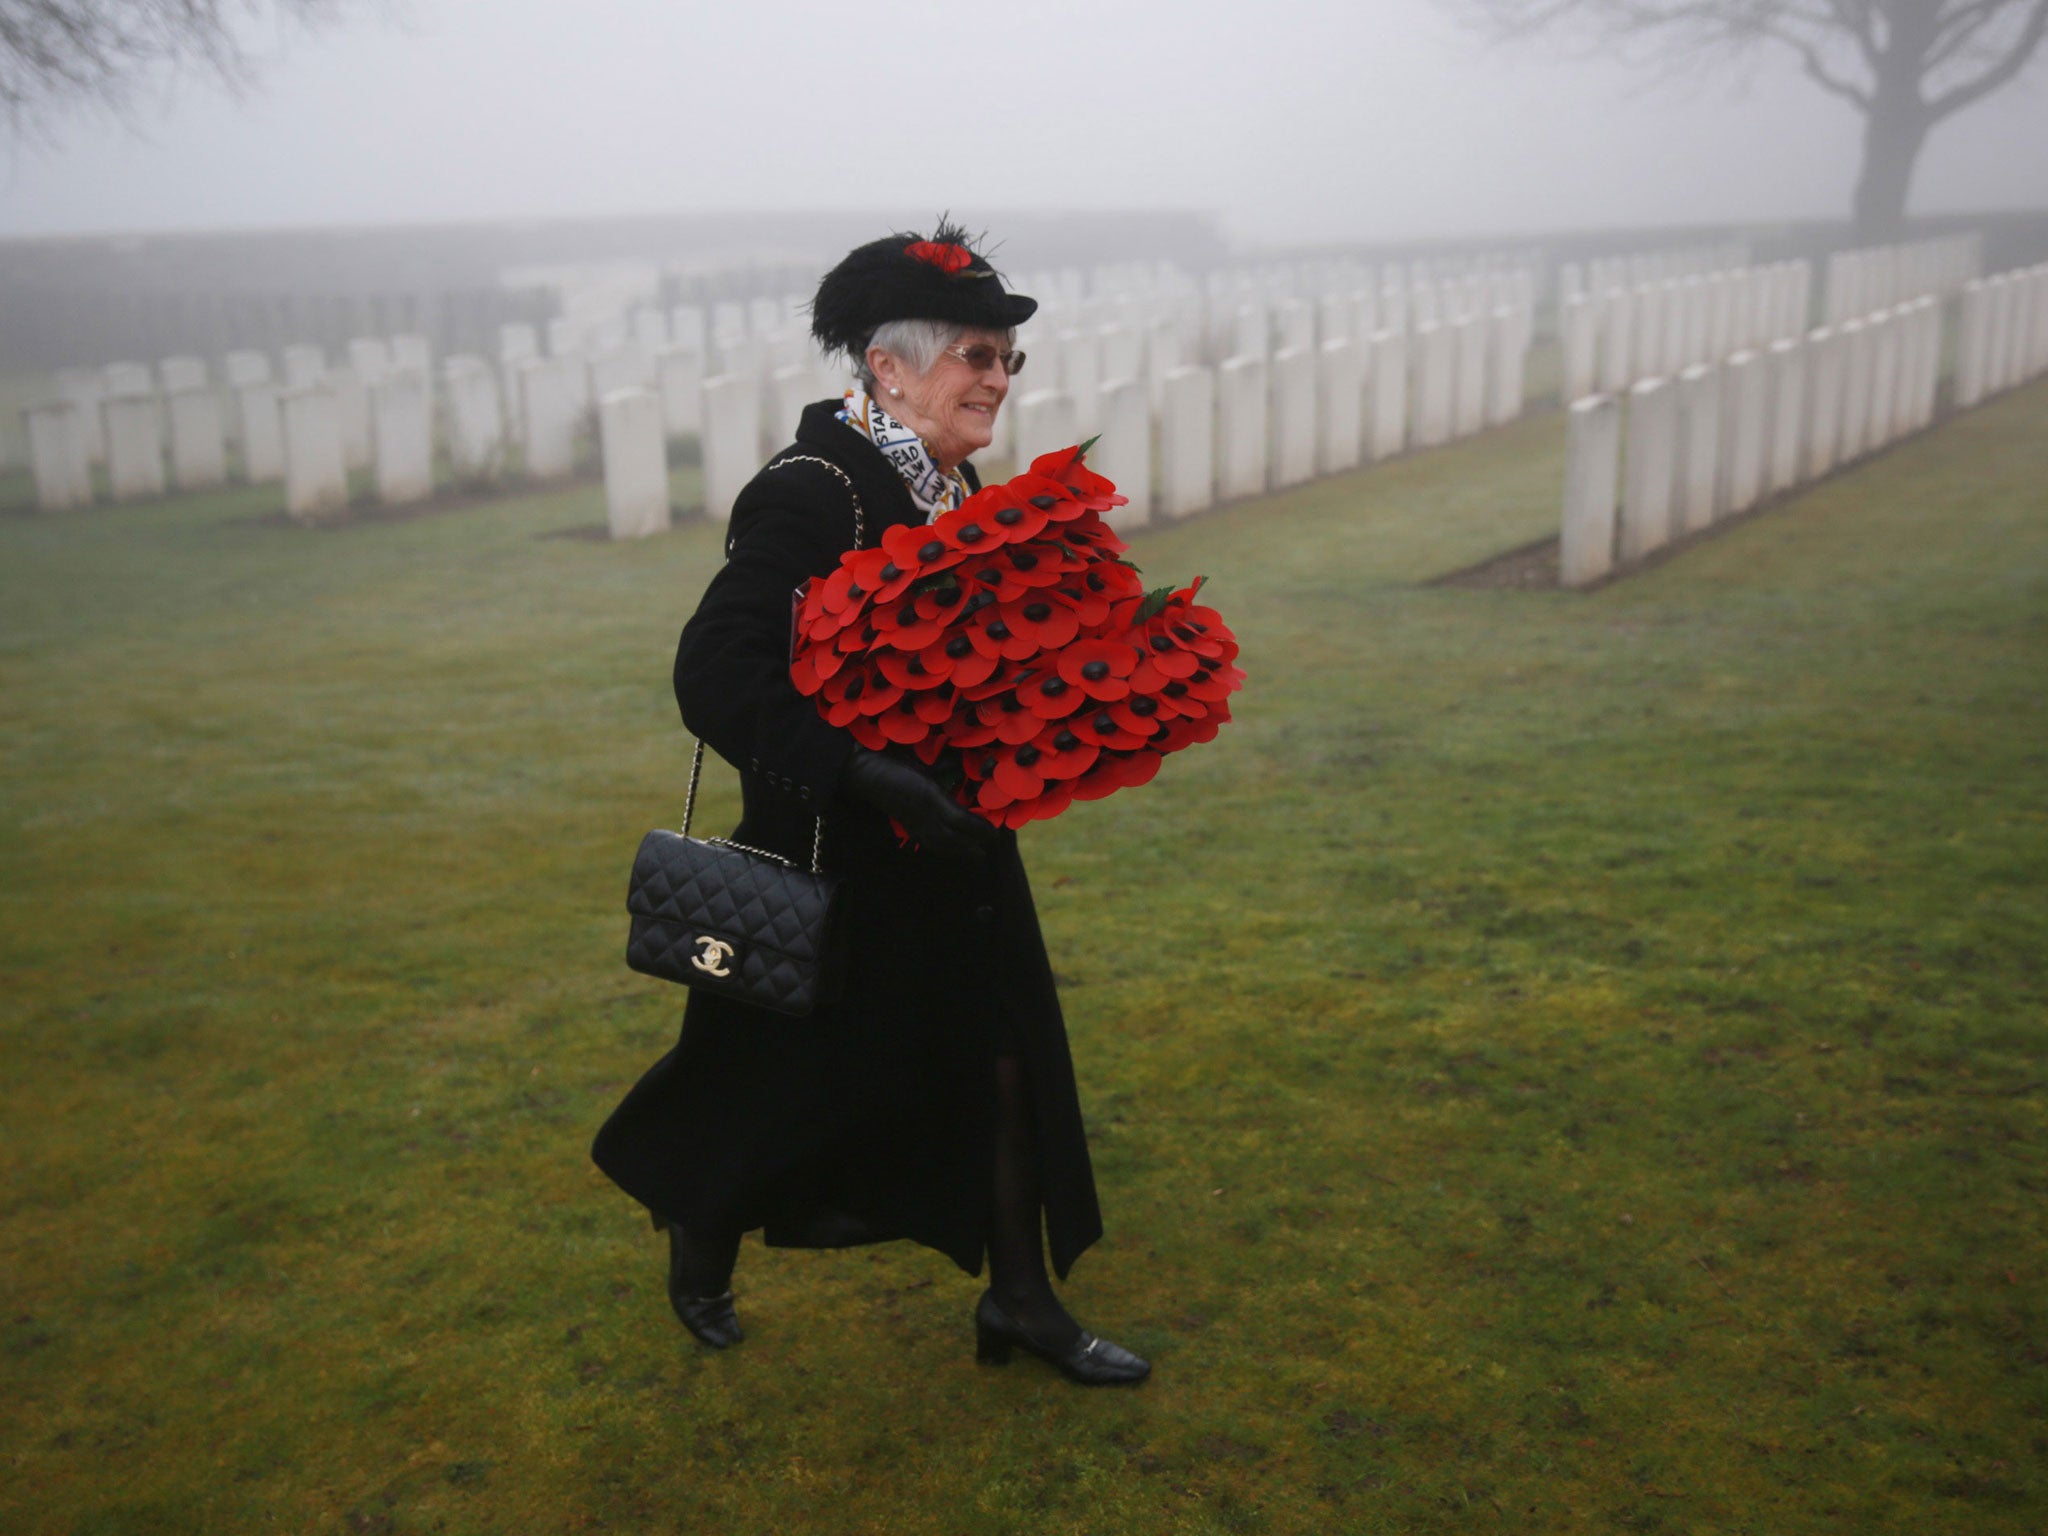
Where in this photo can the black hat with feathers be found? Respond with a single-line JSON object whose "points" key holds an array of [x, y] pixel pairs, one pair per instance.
{"points": [[907, 276]]}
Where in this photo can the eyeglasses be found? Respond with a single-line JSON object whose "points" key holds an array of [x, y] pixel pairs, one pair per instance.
{"points": [[981, 357]]}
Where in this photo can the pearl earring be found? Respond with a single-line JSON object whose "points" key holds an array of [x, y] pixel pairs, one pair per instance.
{"points": [[895, 392]]}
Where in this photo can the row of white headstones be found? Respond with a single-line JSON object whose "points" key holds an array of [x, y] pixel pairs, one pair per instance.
{"points": [[1296, 365], [1267, 417], [1718, 438]]}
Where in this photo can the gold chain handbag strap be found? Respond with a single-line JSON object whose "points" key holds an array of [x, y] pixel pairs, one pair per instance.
{"points": [[697, 757]]}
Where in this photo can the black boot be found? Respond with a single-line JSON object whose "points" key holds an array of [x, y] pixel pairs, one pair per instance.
{"points": [[700, 1286]]}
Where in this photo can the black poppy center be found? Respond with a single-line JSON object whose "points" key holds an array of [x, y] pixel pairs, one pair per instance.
{"points": [[1143, 706], [1095, 671], [1162, 643], [958, 646], [1066, 741], [1038, 613], [1105, 723], [1044, 503], [1027, 755], [855, 688], [1010, 517], [890, 572], [931, 550], [1053, 687], [973, 533], [999, 630], [1023, 559]]}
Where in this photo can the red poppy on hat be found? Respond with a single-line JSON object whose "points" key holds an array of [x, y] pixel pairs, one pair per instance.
{"points": [[947, 257]]}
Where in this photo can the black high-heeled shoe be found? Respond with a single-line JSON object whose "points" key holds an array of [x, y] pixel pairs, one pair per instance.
{"points": [[710, 1319], [1088, 1360]]}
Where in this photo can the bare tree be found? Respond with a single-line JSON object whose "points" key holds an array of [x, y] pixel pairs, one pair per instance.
{"points": [[59, 54], [1905, 65]]}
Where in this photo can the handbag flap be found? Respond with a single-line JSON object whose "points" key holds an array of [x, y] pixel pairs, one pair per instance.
{"points": [[711, 888]]}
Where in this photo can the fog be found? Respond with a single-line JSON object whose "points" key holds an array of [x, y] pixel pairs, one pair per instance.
{"points": [[1291, 121]]}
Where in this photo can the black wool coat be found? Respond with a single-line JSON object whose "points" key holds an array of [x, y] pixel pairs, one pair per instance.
{"points": [[873, 1118]]}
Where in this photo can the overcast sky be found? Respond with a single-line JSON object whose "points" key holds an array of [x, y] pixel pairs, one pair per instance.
{"points": [[1293, 120]]}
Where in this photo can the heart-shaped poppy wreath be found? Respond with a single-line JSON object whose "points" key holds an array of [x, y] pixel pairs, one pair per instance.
{"points": [[1011, 647]]}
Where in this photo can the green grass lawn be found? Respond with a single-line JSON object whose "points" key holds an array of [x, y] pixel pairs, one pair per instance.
{"points": [[1557, 1063]]}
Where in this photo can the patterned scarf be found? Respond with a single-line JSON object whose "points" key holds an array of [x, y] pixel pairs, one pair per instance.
{"points": [[934, 490]]}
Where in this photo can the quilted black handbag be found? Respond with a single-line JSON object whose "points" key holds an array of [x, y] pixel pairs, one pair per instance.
{"points": [[725, 918]]}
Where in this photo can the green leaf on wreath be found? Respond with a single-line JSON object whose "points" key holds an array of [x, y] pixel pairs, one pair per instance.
{"points": [[1155, 603]]}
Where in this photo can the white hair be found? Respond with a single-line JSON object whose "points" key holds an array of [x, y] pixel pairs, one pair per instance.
{"points": [[917, 343]]}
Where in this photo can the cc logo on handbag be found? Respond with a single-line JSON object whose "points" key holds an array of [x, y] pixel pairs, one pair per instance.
{"points": [[712, 955]]}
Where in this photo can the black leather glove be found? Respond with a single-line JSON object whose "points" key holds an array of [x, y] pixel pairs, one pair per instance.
{"points": [[937, 823]]}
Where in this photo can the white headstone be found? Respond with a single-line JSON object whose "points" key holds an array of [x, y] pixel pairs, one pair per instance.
{"points": [[1646, 496], [1591, 463], [352, 407], [1340, 402], [245, 367], [304, 364], [135, 452], [791, 390], [127, 379], [1823, 402], [1046, 421], [1292, 417], [1187, 443], [1745, 408], [1699, 447], [682, 391], [476, 431], [1884, 377], [413, 351], [405, 446], [86, 388], [262, 432], [686, 328], [1507, 356], [198, 448], [1468, 408], [315, 480], [1787, 364], [650, 330], [57, 455], [1617, 346], [369, 358], [1972, 346], [1124, 452], [635, 463], [1434, 367], [1122, 352], [1386, 394], [176, 373], [1579, 339], [548, 407], [1081, 376], [732, 440], [1856, 360], [1241, 425]]}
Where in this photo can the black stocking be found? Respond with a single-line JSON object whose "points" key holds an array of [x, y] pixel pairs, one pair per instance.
{"points": [[1016, 1252], [700, 1266]]}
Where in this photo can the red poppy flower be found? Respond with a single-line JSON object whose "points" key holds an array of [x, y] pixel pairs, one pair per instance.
{"points": [[1105, 730], [992, 635], [948, 258], [841, 696], [1065, 754], [969, 528], [1186, 732], [863, 729], [900, 723], [1014, 724], [878, 575], [1100, 668], [1016, 511], [1049, 625], [1140, 714], [1056, 798], [901, 627], [917, 546], [1050, 696], [906, 669]]}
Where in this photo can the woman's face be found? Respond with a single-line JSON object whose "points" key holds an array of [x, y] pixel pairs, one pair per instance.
{"points": [[953, 407]]}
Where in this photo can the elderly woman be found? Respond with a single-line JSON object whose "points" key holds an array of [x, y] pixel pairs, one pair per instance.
{"points": [[932, 1098]]}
